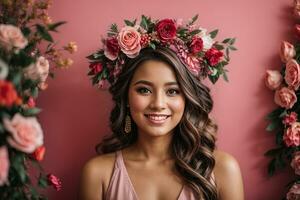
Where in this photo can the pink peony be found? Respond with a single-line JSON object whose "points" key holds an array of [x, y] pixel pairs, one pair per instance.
{"points": [[196, 45], [129, 41], [273, 79], [294, 192], [38, 71], [292, 74], [295, 164], [287, 51], [31, 102], [4, 165], [291, 136], [213, 56], [26, 133], [290, 119], [111, 48], [54, 181], [285, 97], [12, 37], [166, 30]]}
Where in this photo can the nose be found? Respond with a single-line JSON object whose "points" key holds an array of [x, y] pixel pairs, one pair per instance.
{"points": [[158, 101]]}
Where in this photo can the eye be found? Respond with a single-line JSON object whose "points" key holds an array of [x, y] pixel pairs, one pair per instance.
{"points": [[143, 90], [173, 92]]}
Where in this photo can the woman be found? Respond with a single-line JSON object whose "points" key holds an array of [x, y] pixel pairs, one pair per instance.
{"points": [[163, 141]]}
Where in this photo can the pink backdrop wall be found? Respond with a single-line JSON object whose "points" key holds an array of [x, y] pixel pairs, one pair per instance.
{"points": [[75, 115]]}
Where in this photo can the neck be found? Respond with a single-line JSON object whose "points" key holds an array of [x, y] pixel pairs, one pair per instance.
{"points": [[153, 148]]}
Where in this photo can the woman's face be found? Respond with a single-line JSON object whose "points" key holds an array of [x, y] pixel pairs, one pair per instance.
{"points": [[155, 99]]}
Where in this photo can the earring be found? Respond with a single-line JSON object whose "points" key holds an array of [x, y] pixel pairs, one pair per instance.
{"points": [[127, 128]]}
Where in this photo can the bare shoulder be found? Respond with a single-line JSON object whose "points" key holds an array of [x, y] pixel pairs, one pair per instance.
{"points": [[228, 177], [95, 176]]}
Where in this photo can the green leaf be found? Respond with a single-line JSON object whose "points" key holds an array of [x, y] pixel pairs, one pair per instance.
{"points": [[26, 31], [272, 126], [219, 46], [274, 114], [225, 77], [214, 33], [144, 22], [226, 40], [128, 23], [193, 19], [232, 48], [194, 32], [17, 78], [53, 27], [271, 167], [273, 152], [31, 112], [114, 28], [232, 41], [42, 31], [152, 45], [42, 181]]}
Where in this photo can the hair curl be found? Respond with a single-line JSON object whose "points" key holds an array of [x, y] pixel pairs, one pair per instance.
{"points": [[194, 139]]}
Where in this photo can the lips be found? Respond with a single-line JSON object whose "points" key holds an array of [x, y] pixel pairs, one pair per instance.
{"points": [[157, 118]]}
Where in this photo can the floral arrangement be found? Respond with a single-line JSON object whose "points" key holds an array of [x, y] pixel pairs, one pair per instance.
{"points": [[284, 120], [27, 50], [197, 48]]}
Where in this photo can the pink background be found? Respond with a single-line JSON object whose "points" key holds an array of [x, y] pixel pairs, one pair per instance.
{"points": [[75, 115]]}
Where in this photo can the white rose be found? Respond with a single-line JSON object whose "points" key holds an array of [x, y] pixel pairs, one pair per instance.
{"points": [[38, 71]]}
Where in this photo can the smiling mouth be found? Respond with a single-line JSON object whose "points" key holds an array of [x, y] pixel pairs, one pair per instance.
{"points": [[157, 119]]}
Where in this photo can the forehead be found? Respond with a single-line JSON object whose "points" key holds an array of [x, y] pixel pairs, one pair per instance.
{"points": [[154, 71]]}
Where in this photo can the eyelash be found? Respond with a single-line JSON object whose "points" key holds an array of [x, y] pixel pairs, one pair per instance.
{"points": [[141, 90]]}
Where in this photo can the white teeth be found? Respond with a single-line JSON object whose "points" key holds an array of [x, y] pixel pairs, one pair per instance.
{"points": [[157, 118]]}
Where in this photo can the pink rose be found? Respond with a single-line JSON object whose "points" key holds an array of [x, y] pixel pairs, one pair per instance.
{"points": [[12, 37], [38, 71], [297, 30], [31, 102], [213, 56], [273, 79], [285, 97], [54, 181], [4, 165], [166, 30], [290, 119], [291, 136], [193, 64], [196, 45], [294, 192], [111, 48], [103, 84], [292, 74], [26, 133], [295, 164], [287, 51], [129, 41]]}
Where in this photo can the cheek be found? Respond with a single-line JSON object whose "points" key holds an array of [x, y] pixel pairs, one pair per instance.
{"points": [[177, 106], [137, 102]]}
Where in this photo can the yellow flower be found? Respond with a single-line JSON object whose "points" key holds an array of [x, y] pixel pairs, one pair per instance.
{"points": [[71, 47]]}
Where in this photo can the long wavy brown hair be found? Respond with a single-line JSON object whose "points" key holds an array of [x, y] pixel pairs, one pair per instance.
{"points": [[193, 140]]}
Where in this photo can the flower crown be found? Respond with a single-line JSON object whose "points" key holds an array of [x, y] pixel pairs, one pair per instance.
{"points": [[193, 45]]}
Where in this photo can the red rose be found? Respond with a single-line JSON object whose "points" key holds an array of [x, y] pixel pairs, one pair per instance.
{"points": [[39, 153], [54, 181], [111, 48], [196, 45], [213, 56], [96, 67], [290, 119], [8, 94], [166, 30]]}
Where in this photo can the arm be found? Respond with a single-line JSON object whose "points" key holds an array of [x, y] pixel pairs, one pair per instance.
{"points": [[228, 177], [91, 182]]}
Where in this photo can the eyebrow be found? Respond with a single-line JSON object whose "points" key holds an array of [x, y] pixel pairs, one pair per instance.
{"points": [[151, 84]]}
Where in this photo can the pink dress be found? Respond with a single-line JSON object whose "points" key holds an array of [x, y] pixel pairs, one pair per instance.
{"points": [[121, 188]]}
